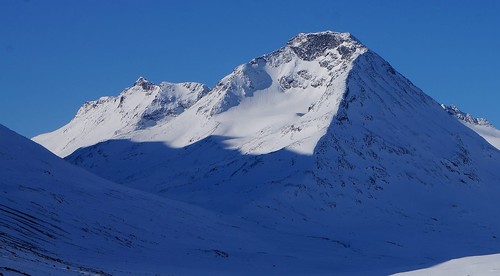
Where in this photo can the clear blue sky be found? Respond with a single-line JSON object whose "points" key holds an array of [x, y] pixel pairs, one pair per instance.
{"points": [[55, 55]]}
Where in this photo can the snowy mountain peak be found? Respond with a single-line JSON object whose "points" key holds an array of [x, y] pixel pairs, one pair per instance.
{"points": [[143, 83], [312, 61], [320, 142], [300, 84], [286, 99]]}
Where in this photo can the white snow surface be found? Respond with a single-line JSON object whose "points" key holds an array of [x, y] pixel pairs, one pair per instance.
{"points": [[480, 125], [489, 133], [329, 157], [140, 106], [282, 100], [488, 265]]}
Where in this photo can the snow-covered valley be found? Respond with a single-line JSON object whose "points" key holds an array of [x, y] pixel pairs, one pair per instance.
{"points": [[318, 158]]}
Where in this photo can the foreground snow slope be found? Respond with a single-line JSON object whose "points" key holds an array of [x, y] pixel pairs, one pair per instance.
{"points": [[56, 218], [348, 165], [488, 265]]}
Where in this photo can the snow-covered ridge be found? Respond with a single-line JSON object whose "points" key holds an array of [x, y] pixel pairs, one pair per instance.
{"points": [[147, 99], [298, 86], [285, 99], [480, 125], [298, 64], [141, 106]]}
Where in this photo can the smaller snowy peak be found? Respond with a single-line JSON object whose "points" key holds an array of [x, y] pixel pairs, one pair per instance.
{"points": [[465, 117], [136, 108], [144, 84]]}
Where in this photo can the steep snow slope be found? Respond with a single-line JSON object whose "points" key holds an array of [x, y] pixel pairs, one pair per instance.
{"points": [[325, 143], [140, 106], [480, 125]]}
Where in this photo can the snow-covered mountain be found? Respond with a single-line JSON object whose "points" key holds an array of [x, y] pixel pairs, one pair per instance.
{"points": [[480, 125], [348, 166], [140, 106], [300, 85]]}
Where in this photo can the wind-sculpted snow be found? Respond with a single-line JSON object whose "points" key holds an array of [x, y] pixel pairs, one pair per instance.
{"points": [[327, 154]]}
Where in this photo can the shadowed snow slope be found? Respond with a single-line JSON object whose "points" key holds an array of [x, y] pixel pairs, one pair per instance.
{"points": [[56, 218], [346, 164]]}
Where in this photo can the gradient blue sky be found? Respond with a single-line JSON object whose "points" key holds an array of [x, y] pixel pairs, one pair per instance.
{"points": [[55, 55]]}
